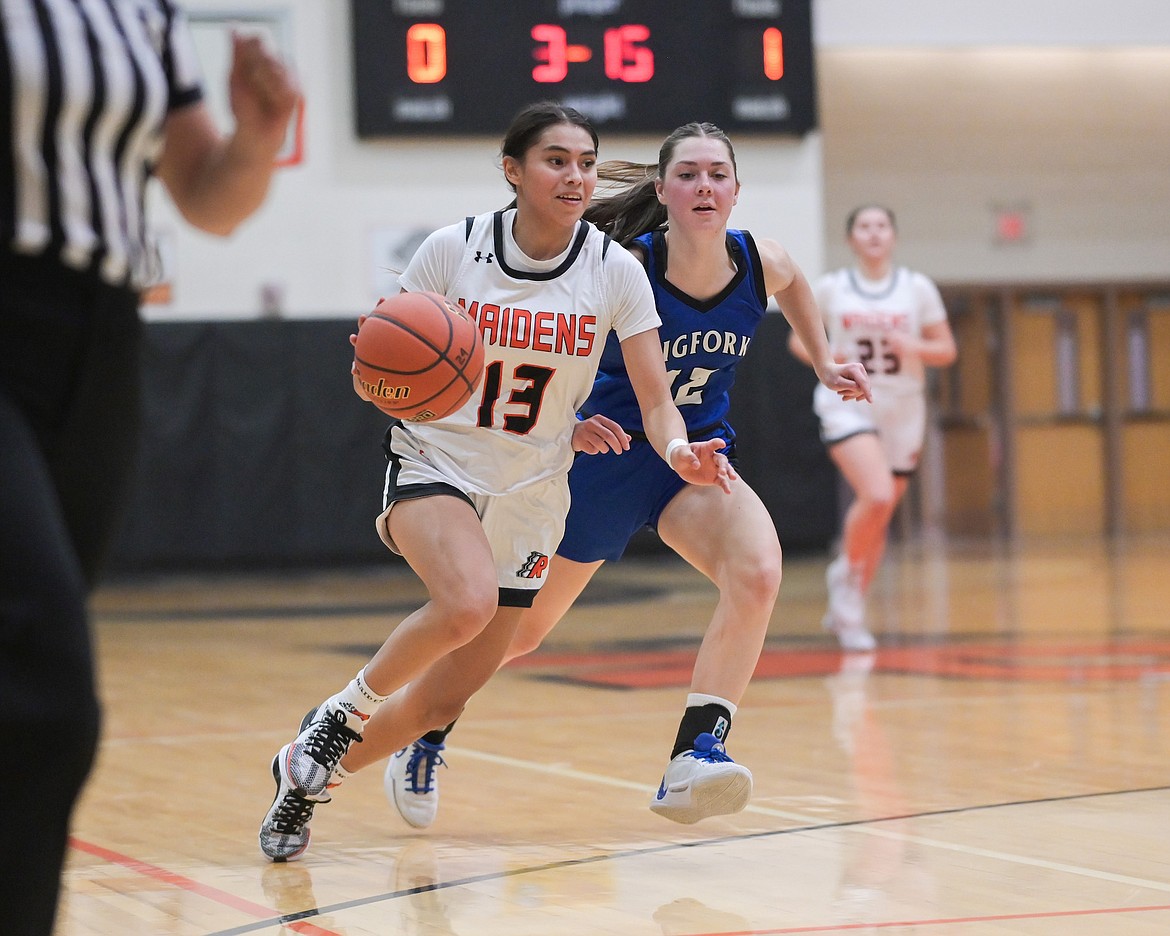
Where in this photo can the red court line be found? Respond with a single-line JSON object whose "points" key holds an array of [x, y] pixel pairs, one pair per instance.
{"points": [[203, 890], [890, 924]]}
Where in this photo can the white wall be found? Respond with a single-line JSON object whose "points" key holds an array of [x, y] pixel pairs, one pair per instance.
{"points": [[953, 113], [315, 238], [1077, 141], [1096, 210], [962, 23]]}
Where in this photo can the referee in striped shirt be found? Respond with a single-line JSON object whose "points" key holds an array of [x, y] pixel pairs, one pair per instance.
{"points": [[95, 97]]}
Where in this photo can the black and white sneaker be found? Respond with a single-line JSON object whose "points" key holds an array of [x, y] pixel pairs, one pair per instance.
{"points": [[310, 760], [284, 833]]}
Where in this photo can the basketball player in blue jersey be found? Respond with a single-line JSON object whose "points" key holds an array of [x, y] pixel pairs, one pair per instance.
{"points": [[488, 483], [711, 287]]}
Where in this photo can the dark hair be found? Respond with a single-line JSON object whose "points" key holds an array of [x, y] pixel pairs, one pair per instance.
{"points": [[851, 220], [531, 121], [635, 209]]}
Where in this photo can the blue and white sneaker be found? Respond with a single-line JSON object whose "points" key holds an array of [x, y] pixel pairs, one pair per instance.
{"points": [[411, 785], [702, 782]]}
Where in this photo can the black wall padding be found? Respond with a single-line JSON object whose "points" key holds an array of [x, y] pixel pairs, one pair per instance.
{"points": [[257, 454], [779, 446]]}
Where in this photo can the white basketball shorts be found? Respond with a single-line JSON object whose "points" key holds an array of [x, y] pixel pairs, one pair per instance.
{"points": [[898, 420], [523, 528]]}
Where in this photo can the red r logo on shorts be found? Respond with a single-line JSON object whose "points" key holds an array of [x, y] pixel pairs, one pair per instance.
{"points": [[534, 566]]}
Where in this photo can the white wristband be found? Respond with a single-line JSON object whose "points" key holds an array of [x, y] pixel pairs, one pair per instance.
{"points": [[671, 446]]}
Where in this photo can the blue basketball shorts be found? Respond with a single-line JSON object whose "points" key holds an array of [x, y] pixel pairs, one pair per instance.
{"points": [[613, 496]]}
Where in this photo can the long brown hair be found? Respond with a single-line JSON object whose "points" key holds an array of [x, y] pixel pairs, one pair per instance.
{"points": [[633, 207]]}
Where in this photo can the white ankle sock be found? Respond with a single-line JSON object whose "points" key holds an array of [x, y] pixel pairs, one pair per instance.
{"points": [[337, 777], [357, 700]]}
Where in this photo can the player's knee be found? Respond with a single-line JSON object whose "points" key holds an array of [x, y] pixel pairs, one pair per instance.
{"points": [[466, 623], [466, 612], [878, 501], [757, 578]]}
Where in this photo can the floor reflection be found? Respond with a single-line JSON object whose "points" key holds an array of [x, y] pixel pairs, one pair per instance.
{"points": [[423, 906], [881, 866], [687, 915]]}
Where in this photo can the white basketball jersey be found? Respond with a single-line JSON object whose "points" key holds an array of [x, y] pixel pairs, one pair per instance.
{"points": [[544, 325], [860, 314]]}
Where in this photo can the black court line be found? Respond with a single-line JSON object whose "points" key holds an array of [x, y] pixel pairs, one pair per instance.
{"points": [[659, 849]]}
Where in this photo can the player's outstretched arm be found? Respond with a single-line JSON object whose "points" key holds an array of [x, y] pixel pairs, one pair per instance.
{"points": [[785, 281]]}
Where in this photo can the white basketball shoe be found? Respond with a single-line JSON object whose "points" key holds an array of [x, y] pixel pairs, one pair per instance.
{"points": [[411, 784], [702, 782], [845, 616]]}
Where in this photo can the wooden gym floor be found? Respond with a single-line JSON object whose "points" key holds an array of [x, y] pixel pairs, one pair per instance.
{"points": [[998, 767]]}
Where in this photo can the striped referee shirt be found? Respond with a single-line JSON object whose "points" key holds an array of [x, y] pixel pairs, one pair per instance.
{"points": [[85, 86]]}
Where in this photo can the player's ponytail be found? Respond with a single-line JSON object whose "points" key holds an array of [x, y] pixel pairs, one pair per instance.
{"points": [[631, 206]]}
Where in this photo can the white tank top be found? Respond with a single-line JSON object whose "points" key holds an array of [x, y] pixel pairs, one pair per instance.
{"points": [[860, 314]]}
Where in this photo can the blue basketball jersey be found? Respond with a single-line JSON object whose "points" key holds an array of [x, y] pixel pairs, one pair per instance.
{"points": [[702, 341]]}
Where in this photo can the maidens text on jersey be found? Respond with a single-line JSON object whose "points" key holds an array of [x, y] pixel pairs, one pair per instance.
{"points": [[552, 332], [882, 321]]}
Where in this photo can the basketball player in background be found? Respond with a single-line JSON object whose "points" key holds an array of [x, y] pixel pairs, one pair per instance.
{"points": [[894, 320], [488, 484], [76, 157]]}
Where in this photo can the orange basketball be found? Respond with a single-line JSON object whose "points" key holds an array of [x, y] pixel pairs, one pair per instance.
{"points": [[418, 356]]}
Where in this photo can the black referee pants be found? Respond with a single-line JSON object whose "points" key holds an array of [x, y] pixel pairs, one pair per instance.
{"points": [[69, 372]]}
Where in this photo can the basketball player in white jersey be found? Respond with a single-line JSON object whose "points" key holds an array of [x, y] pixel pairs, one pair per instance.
{"points": [[476, 501], [893, 319]]}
